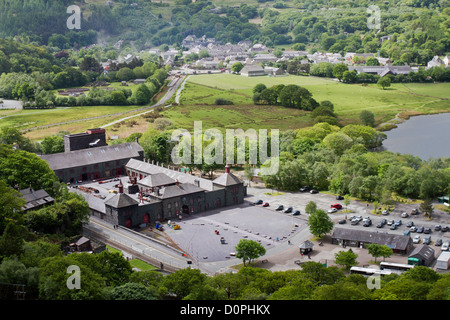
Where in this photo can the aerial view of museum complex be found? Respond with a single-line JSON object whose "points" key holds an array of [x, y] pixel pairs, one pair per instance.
{"points": [[264, 150]]}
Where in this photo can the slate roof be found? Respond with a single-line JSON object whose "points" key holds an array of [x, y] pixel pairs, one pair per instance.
{"points": [[84, 157], [424, 251], [227, 179], [156, 180], [181, 177], [306, 245], [179, 190], [121, 200], [393, 241], [36, 198]]}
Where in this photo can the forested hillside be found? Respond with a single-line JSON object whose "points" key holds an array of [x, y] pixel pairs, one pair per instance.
{"points": [[418, 29]]}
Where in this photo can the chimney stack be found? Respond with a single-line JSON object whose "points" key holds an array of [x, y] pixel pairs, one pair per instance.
{"points": [[120, 186], [227, 168]]}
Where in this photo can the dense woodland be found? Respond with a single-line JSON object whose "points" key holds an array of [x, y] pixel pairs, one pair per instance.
{"points": [[419, 29]]}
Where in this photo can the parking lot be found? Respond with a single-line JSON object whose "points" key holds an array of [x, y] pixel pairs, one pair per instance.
{"points": [[198, 237]]}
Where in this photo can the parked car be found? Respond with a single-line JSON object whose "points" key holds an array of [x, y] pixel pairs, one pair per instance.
{"points": [[437, 227], [296, 213], [367, 223], [416, 239], [404, 215], [339, 198], [314, 191], [288, 210], [332, 210], [398, 223], [444, 229], [427, 230], [390, 222], [420, 229], [342, 221], [393, 227], [336, 205], [266, 204], [385, 212], [257, 202], [445, 246], [304, 189], [379, 225], [383, 221], [410, 224], [438, 242], [414, 211], [280, 207], [354, 222], [413, 229], [427, 240], [406, 232]]}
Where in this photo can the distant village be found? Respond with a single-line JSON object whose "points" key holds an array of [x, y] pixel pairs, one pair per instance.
{"points": [[259, 60]]}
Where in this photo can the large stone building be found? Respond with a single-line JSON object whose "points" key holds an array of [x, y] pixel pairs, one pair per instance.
{"points": [[155, 193], [146, 192], [87, 157]]}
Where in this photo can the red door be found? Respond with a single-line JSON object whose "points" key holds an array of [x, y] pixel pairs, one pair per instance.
{"points": [[128, 223]]}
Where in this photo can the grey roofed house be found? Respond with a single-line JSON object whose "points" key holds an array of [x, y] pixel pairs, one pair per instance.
{"points": [[424, 253], [252, 71], [35, 199], [121, 200], [84, 157], [398, 243], [156, 180]]}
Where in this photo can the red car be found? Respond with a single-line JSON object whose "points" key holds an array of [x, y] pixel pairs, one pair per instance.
{"points": [[336, 205], [266, 204]]}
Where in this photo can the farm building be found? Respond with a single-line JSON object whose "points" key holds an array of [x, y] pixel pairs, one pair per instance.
{"points": [[358, 238], [252, 71]]}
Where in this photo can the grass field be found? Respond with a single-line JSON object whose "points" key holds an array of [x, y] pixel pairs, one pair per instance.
{"points": [[197, 101]]}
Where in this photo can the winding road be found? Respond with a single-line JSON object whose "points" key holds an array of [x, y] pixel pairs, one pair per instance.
{"points": [[170, 92]]}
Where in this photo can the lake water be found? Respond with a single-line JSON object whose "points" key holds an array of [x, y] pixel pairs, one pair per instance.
{"points": [[425, 136]]}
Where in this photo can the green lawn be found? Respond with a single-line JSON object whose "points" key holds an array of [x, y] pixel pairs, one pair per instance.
{"points": [[349, 99]]}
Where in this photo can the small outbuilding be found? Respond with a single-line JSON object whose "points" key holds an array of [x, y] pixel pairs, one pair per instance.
{"points": [[423, 255], [306, 247], [443, 261]]}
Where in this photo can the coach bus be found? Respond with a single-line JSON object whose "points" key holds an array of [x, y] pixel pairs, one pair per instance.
{"points": [[367, 272], [395, 267]]}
